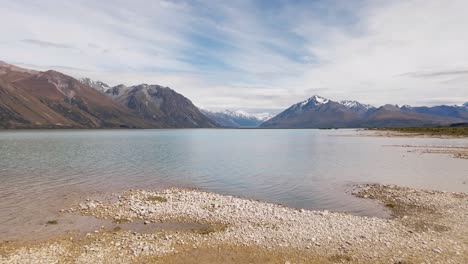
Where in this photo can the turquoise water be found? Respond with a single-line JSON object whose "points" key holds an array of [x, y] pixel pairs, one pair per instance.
{"points": [[40, 170]]}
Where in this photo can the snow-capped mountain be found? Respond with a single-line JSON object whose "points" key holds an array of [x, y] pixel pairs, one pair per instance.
{"points": [[318, 101], [243, 114], [317, 112], [238, 118], [98, 85], [406, 107]]}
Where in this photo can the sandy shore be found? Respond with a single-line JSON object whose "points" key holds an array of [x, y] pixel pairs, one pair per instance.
{"points": [[427, 227]]}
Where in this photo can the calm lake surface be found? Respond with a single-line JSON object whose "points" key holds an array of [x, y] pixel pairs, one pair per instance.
{"points": [[40, 171]]}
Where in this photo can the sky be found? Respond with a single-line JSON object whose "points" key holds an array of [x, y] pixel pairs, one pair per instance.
{"points": [[252, 55]]}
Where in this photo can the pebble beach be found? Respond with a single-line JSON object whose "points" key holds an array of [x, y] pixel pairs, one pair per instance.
{"points": [[425, 227]]}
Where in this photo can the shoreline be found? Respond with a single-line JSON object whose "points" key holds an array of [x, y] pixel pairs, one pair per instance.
{"points": [[458, 152], [426, 226], [412, 134]]}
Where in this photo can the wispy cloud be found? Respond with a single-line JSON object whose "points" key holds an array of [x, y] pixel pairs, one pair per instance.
{"points": [[251, 54], [48, 67], [47, 44], [435, 74]]}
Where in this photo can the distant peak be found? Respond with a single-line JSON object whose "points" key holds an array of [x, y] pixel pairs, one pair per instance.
{"points": [[390, 107], [54, 73], [349, 103], [316, 99], [147, 86], [244, 114], [319, 99], [355, 104], [98, 85], [406, 106]]}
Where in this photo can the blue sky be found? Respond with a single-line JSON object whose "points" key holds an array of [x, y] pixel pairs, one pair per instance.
{"points": [[251, 55]]}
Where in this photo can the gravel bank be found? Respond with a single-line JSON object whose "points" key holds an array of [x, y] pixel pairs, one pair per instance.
{"points": [[460, 152], [428, 227]]}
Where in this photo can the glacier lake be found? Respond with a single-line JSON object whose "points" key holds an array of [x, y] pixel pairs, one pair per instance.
{"points": [[41, 171]]}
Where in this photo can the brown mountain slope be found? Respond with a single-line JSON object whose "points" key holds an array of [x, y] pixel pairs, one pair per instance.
{"points": [[20, 109], [51, 99], [77, 102]]}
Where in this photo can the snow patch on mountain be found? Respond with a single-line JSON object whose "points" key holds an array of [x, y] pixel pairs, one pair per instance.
{"points": [[98, 85], [317, 100], [237, 118], [355, 104]]}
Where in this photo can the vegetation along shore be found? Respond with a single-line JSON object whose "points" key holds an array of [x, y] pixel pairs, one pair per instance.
{"points": [[447, 131]]}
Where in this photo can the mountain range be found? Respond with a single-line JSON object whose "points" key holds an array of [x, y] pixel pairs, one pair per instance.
{"points": [[319, 112], [239, 118], [50, 99]]}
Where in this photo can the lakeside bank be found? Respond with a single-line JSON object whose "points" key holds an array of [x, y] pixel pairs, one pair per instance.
{"points": [[427, 226]]}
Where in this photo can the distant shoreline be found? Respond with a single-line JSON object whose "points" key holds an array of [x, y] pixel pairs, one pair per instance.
{"points": [[444, 132], [403, 131]]}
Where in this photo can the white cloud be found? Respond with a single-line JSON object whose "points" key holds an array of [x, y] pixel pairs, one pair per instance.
{"points": [[241, 55], [393, 39]]}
